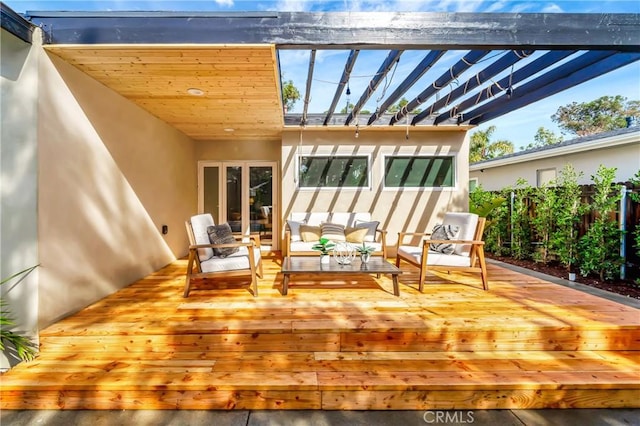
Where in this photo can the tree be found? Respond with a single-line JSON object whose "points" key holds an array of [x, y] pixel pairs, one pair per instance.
{"points": [[600, 246], [350, 106], [601, 115], [542, 138], [290, 95], [569, 210], [482, 148], [399, 105]]}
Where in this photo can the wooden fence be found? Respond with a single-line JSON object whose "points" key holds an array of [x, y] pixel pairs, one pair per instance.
{"points": [[627, 215]]}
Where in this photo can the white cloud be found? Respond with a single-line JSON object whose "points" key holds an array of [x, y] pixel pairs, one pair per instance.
{"points": [[293, 5], [552, 8], [226, 3]]}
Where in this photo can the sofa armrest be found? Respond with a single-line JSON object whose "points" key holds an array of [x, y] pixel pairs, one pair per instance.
{"points": [[383, 240], [287, 242]]}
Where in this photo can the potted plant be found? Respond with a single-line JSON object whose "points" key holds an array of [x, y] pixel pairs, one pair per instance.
{"points": [[365, 252], [323, 246]]}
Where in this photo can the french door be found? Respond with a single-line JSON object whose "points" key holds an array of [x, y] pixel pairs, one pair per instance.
{"points": [[242, 194]]}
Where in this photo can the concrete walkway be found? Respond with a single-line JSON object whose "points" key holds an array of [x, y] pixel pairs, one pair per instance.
{"points": [[582, 417]]}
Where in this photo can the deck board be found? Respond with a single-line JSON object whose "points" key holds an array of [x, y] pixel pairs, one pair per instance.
{"points": [[336, 344]]}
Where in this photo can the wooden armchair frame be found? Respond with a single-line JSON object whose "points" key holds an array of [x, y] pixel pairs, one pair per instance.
{"points": [[255, 268], [476, 255]]}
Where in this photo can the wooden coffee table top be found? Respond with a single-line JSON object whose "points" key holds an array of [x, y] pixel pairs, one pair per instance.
{"points": [[311, 264]]}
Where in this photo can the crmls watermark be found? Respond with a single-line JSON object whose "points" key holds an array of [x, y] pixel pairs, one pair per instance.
{"points": [[444, 417]]}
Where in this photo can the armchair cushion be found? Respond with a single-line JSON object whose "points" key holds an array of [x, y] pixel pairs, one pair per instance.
{"points": [[199, 225], [236, 261], [444, 232], [221, 234]]}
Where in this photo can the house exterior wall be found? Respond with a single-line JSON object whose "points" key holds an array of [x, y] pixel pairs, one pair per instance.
{"points": [[258, 150], [18, 182], [111, 175], [626, 158], [407, 209]]}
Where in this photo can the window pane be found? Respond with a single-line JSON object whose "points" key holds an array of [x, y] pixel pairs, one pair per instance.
{"points": [[333, 172], [417, 172]]}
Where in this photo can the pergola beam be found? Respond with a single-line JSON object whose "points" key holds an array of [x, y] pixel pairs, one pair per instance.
{"points": [[392, 58], [494, 89], [447, 77], [424, 66], [348, 67], [350, 30], [581, 75], [16, 24], [502, 63], [560, 78], [307, 92]]}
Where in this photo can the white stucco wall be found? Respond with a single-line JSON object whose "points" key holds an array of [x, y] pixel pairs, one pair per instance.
{"points": [[18, 180], [110, 176], [626, 158], [407, 209]]}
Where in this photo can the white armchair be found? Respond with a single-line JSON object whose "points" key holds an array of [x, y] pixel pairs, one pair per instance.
{"points": [[467, 250], [246, 260]]}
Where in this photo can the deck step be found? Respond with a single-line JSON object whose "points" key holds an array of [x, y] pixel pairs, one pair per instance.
{"points": [[524, 344]]}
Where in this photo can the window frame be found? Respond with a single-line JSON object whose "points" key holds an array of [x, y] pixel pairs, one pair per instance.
{"points": [[367, 157], [454, 159]]}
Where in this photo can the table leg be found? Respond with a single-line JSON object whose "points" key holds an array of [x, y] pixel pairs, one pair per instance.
{"points": [[396, 290], [285, 284]]}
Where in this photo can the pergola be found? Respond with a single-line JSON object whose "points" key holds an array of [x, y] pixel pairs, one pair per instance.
{"points": [[154, 58]]}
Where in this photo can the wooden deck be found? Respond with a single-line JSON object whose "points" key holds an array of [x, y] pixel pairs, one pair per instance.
{"points": [[336, 344]]}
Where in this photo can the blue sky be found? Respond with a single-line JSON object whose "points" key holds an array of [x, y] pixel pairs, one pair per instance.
{"points": [[519, 127]]}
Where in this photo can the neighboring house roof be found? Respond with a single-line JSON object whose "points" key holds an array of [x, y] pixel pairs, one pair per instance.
{"points": [[601, 140]]}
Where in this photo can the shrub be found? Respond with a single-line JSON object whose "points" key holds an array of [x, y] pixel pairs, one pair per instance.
{"points": [[600, 246], [568, 212]]}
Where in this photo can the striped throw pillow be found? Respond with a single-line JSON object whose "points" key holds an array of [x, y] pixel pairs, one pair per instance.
{"points": [[444, 232], [332, 231]]}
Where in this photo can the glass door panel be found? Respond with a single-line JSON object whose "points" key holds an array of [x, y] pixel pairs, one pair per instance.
{"points": [[234, 198], [211, 192], [261, 201], [243, 195]]}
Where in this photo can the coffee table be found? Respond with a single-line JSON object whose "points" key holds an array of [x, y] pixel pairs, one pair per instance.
{"points": [[312, 265]]}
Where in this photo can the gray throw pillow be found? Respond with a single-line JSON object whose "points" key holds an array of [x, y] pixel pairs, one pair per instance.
{"points": [[221, 234], [444, 232]]}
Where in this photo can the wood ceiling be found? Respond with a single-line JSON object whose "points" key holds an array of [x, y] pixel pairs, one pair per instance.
{"points": [[153, 58], [240, 83]]}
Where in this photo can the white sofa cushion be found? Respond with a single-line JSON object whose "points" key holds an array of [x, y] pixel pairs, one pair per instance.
{"points": [[468, 222], [350, 219], [342, 218], [313, 219], [306, 246]]}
